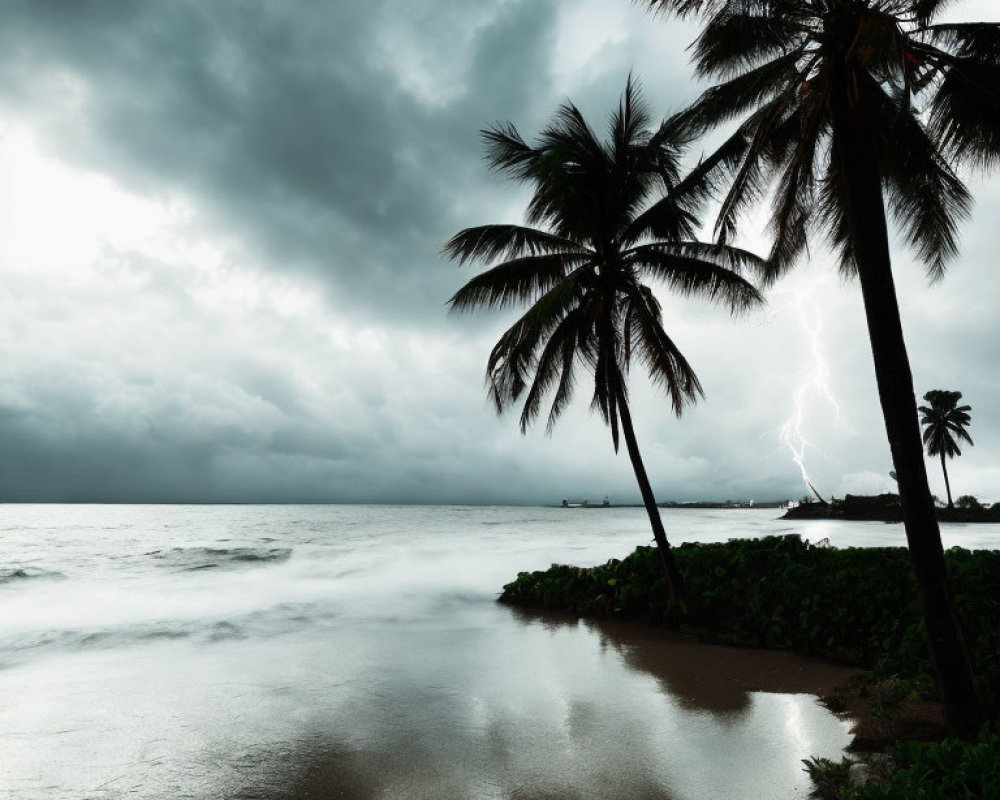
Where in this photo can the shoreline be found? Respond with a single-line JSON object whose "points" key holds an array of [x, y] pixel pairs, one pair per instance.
{"points": [[855, 606], [717, 677], [710, 676]]}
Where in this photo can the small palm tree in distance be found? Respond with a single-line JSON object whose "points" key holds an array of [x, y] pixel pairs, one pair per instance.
{"points": [[604, 216], [944, 421]]}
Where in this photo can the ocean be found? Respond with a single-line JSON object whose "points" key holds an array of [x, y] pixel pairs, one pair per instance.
{"points": [[277, 652]]}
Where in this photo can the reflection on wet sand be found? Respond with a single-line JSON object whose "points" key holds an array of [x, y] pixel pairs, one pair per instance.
{"points": [[706, 677], [702, 720], [320, 769]]}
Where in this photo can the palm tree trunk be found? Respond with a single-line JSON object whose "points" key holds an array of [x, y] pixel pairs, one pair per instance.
{"points": [[947, 484], [675, 583], [861, 187]]}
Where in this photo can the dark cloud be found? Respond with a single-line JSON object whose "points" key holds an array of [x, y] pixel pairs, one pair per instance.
{"points": [[270, 323], [288, 126]]}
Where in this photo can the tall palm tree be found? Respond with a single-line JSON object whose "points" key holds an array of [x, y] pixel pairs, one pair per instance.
{"points": [[944, 420], [593, 235], [843, 107]]}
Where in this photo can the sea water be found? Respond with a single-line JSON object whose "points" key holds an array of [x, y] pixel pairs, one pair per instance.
{"points": [[279, 652]]}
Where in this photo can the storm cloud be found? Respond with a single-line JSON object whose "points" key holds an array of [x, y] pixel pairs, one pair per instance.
{"points": [[219, 237]]}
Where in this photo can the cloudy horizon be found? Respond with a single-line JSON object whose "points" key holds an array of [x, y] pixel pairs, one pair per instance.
{"points": [[219, 243]]}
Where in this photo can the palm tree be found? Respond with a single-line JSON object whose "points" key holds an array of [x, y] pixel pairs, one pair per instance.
{"points": [[843, 107], [943, 420], [592, 236]]}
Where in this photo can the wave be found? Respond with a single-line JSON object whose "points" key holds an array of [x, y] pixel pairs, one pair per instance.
{"points": [[189, 559], [14, 574], [276, 621]]}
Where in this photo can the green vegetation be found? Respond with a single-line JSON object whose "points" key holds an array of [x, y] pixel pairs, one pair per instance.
{"points": [[857, 605], [831, 779], [846, 112], [604, 216], [953, 769], [944, 421]]}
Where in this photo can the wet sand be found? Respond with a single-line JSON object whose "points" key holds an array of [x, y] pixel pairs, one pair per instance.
{"points": [[716, 677], [742, 690]]}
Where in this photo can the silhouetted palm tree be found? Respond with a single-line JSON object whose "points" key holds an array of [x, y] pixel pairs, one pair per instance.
{"points": [[845, 106], [592, 237], [944, 420]]}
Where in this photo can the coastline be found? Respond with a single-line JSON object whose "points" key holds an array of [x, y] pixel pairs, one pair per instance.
{"points": [[855, 606], [707, 675], [885, 508]]}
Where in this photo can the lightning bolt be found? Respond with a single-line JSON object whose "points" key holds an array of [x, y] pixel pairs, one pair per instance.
{"points": [[814, 383]]}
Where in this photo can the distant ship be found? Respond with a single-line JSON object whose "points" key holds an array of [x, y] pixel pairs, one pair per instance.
{"points": [[606, 503]]}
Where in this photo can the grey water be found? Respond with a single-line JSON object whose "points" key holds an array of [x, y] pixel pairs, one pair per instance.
{"points": [[276, 652]]}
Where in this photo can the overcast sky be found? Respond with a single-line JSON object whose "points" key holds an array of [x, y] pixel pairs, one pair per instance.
{"points": [[220, 281]]}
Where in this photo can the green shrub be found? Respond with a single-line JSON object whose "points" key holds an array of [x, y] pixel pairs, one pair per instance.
{"points": [[953, 769], [830, 778]]}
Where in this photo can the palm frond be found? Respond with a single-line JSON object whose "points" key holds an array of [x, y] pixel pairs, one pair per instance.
{"points": [[831, 209], [666, 219], [691, 275], [710, 175], [734, 259], [979, 41], [926, 198], [513, 357], [569, 139], [667, 367], [746, 91], [684, 8], [553, 368], [629, 125], [750, 179], [731, 43], [799, 142], [490, 242], [670, 140], [571, 176], [507, 152], [795, 199], [607, 377], [564, 391], [639, 160], [956, 427], [517, 281], [965, 112], [925, 10]]}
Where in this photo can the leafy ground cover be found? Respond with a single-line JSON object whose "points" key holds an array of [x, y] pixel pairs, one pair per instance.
{"points": [[952, 769]]}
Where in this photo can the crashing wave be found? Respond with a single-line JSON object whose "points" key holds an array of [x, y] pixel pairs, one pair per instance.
{"points": [[198, 558], [14, 574]]}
